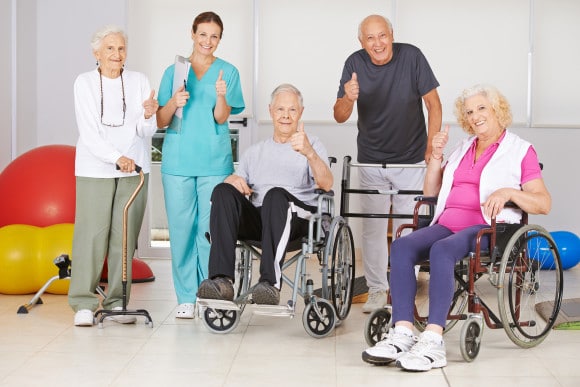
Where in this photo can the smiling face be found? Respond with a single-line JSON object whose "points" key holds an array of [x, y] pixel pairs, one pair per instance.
{"points": [[206, 38], [111, 55], [481, 116], [377, 40], [286, 112]]}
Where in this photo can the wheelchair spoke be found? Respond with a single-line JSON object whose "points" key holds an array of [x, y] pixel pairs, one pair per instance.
{"points": [[221, 321]]}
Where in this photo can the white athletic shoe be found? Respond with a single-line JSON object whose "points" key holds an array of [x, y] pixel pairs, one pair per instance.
{"points": [[121, 318], [84, 318], [424, 355], [390, 349]]}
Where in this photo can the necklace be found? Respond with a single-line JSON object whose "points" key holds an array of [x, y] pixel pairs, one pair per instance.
{"points": [[102, 105]]}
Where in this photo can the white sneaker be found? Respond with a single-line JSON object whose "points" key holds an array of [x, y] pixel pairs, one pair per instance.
{"points": [[376, 300], [121, 318], [424, 355], [186, 310], [84, 318], [389, 349]]}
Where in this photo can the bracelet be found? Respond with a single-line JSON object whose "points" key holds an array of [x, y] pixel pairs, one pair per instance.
{"points": [[437, 158]]}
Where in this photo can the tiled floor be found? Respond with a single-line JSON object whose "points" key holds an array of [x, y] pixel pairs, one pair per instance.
{"points": [[43, 348]]}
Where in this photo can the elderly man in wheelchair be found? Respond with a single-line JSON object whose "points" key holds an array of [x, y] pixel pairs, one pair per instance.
{"points": [[269, 199], [490, 168]]}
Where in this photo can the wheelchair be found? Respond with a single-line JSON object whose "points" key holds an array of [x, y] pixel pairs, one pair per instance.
{"points": [[513, 264], [330, 240]]}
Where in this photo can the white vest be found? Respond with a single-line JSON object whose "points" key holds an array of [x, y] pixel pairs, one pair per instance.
{"points": [[502, 171]]}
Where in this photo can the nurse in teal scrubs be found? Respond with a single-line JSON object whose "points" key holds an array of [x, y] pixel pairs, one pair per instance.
{"points": [[196, 153]]}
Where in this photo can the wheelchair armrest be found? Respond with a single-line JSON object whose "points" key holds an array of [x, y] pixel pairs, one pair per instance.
{"points": [[419, 220], [405, 226], [320, 191], [426, 199]]}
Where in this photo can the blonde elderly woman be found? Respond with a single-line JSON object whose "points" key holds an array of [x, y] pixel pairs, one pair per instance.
{"points": [[115, 112], [486, 170]]}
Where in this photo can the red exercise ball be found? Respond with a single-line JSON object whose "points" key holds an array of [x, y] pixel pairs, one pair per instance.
{"points": [[141, 272], [38, 187]]}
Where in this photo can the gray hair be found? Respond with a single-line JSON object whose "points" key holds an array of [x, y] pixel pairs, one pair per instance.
{"points": [[105, 31], [387, 21], [287, 88]]}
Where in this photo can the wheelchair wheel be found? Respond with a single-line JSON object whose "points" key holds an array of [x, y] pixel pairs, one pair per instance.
{"points": [[377, 326], [319, 318], [221, 320], [458, 304], [342, 270], [470, 339], [523, 285]]}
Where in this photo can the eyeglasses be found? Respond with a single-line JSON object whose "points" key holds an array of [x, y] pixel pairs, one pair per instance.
{"points": [[124, 104]]}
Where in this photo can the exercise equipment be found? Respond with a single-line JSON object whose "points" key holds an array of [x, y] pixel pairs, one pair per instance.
{"points": [[38, 187], [568, 247], [40, 199], [26, 257], [63, 263]]}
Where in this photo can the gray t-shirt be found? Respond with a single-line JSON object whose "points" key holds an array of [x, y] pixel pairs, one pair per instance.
{"points": [[391, 123], [269, 164]]}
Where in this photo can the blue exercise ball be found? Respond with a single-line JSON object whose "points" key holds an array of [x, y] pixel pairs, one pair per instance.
{"points": [[568, 245]]}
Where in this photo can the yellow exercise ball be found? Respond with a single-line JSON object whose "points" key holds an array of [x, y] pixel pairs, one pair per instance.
{"points": [[27, 254]]}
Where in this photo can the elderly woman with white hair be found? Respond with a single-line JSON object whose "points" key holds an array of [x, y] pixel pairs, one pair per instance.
{"points": [[486, 170], [116, 114]]}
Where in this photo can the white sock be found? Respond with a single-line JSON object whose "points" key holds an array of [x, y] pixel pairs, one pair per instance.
{"points": [[432, 336], [403, 330]]}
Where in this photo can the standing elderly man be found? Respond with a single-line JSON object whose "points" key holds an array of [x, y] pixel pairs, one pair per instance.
{"points": [[389, 83], [267, 199]]}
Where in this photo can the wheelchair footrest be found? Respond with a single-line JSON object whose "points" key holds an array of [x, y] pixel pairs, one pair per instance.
{"points": [[274, 310], [218, 304]]}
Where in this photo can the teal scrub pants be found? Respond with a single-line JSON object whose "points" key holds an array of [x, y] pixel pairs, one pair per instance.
{"points": [[188, 204]]}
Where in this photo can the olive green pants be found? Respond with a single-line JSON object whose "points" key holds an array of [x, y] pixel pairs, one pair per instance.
{"points": [[98, 234]]}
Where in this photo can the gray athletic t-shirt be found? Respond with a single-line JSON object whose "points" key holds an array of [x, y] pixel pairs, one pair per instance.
{"points": [[391, 123], [269, 164]]}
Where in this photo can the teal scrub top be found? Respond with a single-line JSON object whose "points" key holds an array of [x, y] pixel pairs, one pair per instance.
{"points": [[201, 146]]}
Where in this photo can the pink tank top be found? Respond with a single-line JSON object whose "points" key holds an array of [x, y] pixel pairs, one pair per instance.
{"points": [[463, 207]]}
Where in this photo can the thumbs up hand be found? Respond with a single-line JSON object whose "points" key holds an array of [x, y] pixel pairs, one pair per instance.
{"points": [[438, 143], [300, 142], [351, 88], [150, 105], [220, 85]]}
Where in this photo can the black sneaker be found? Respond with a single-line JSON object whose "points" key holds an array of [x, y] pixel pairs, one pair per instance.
{"points": [[219, 288], [266, 294]]}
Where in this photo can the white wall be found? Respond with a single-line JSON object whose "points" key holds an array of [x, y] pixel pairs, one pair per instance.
{"points": [[53, 47], [6, 104], [63, 52]]}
